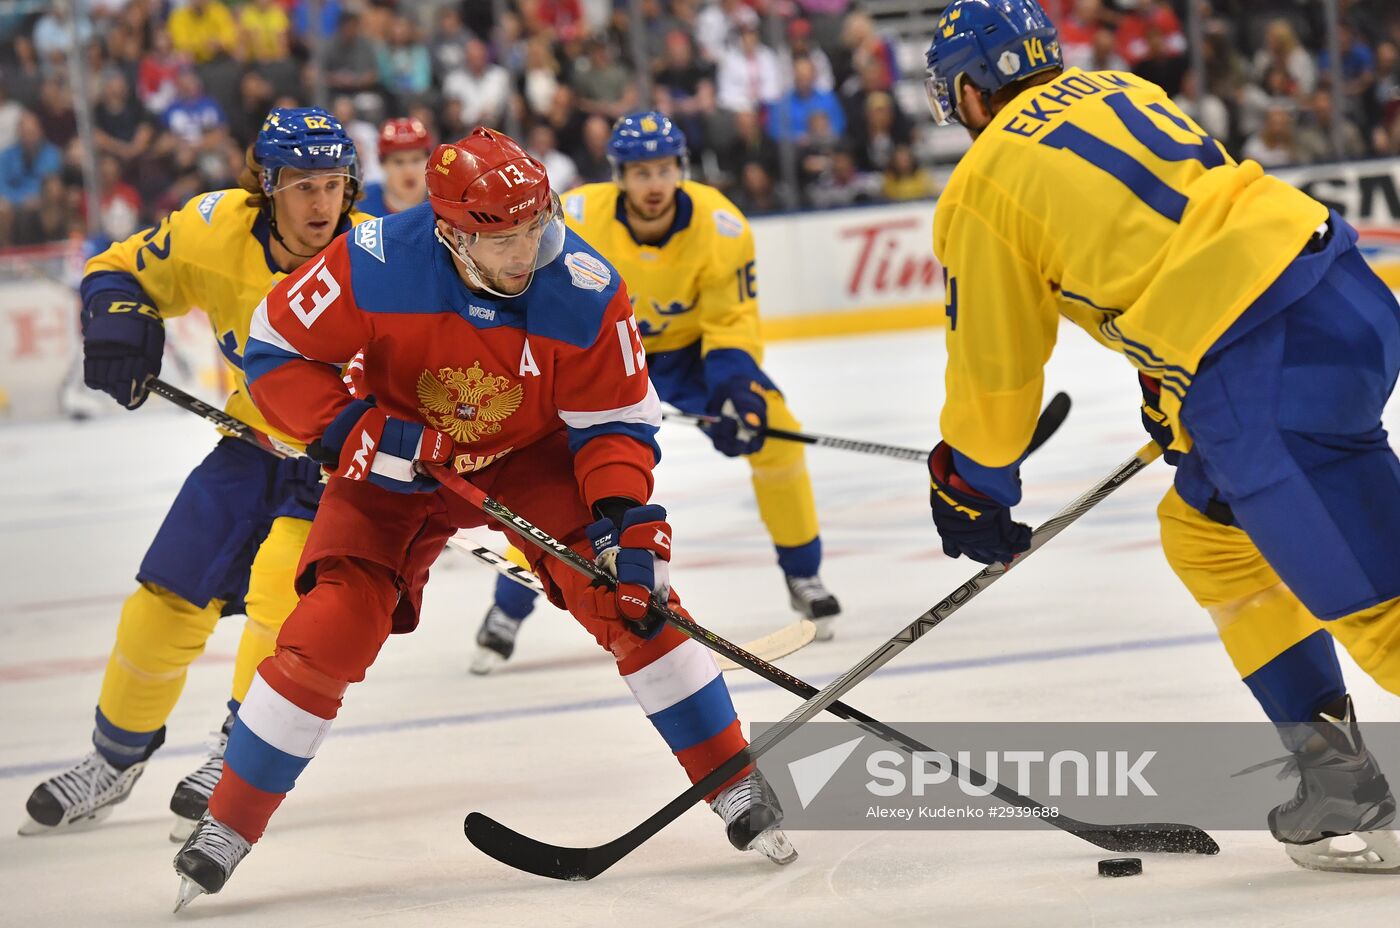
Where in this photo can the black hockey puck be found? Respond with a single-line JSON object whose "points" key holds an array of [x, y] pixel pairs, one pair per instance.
{"points": [[1120, 866]]}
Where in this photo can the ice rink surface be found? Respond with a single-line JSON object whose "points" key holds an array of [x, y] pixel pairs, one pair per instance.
{"points": [[1094, 627]]}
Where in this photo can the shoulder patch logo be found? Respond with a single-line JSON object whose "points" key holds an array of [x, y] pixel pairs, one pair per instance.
{"points": [[207, 204], [588, 272], [369, 236], [728, 224], [574, 206]]}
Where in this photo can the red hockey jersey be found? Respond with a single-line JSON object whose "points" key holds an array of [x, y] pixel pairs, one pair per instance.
{"points": [[495, 375]]}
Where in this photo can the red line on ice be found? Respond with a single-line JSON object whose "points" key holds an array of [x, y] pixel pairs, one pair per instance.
{"points": [[44, 670]]}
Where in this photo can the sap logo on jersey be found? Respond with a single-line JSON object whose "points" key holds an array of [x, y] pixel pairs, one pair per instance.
{"points": [[587, 272], [368, 236], [207, 204]]}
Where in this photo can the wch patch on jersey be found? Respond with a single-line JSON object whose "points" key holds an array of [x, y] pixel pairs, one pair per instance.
{"points": [[728, 224], [369, 236], [587, 272], [207, 204]]}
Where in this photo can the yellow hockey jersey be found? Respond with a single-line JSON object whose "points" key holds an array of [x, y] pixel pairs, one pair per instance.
{"points": [[212, 254], [699, 284], [1095, 198]]}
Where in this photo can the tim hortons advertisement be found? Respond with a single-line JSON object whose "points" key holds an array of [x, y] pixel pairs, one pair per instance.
{"points": [[855, 260], [878, 261]]}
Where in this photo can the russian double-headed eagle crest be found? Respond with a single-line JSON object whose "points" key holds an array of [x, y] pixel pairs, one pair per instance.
{"points": [[469, 404], [445, 162]]}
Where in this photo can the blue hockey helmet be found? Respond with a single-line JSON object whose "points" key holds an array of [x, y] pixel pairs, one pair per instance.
{"points": [[991, 43], [643, 136], [306, 138]]}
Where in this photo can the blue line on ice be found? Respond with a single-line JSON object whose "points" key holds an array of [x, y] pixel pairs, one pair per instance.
{"points": [[498, 715]]}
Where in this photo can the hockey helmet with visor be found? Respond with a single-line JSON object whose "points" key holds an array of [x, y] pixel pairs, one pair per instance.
{"points": [[506, 222]]}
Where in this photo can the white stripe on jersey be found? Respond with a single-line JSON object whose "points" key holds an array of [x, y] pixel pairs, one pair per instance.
{"points": [[647, 412], [260, 328]]}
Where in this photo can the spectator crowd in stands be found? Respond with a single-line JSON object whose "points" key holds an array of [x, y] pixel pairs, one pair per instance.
{"points": [[816, 90], [1268, 92]]}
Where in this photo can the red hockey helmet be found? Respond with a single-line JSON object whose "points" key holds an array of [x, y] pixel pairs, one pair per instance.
{"points": [[507, 222], [403, 134], [486, 183]]}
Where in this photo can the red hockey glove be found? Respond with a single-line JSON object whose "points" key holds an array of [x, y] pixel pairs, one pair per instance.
{"points": [[638, 554], [362, 443]]}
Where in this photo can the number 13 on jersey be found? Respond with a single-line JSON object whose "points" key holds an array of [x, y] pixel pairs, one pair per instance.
{"points": [[634, 356]]}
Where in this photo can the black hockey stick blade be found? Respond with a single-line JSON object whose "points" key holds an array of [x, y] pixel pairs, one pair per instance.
{"points": [[524, 853], [1051, 418], [1147, 838], [557, 862]]}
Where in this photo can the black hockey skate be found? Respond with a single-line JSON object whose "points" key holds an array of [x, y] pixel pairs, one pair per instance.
{"points": [[83, 795], [1341, 791], [495, 641], [809, 596], [751, 817], [207, 859], [191, 797]]}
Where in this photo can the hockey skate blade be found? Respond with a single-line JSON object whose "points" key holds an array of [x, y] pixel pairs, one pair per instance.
{"points": [[777, 644], [182, 829], [485, 662], [29, 828], [774, 845], [189, 891], [1380, 853]]}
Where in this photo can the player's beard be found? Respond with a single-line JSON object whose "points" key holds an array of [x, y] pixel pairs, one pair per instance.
{"points": [[511, 286], [511, 280], [647, 212]]}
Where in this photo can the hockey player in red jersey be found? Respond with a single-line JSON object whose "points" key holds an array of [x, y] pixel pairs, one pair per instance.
{"points": [[498, 341], [404, 146]]}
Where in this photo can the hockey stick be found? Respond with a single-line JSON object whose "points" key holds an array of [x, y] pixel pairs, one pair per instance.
{"points": [[498, 562], [1058, 406], [278, 448], [826, 441], [775, 644], [1050, 420], [231, 424], [583, 863]]}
